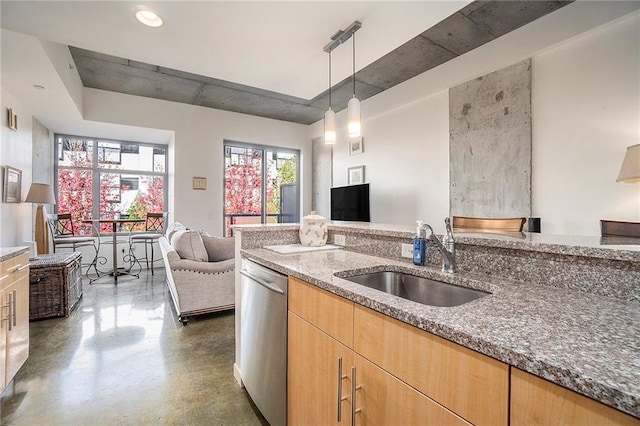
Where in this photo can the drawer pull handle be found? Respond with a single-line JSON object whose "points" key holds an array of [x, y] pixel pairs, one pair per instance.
{"points": [[341, 398], [14, 267], [354, 388], [11, 295], [4, 277], [13, 312], [23, 267]]}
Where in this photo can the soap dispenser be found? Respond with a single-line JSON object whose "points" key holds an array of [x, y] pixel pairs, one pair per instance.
{"points": [[419, 246]]}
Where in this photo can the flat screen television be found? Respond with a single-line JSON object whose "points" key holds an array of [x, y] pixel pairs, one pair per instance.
{"points": [[350, 203]]}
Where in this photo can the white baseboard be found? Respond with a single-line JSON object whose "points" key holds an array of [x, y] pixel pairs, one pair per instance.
{"points": [[236, 374]]}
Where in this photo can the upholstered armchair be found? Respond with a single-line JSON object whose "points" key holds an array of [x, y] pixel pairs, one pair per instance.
{"points": [[200, 273]]}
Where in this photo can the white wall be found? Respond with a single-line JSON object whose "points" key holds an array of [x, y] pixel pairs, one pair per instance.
{"points": [[586, 111], [199, 134], [406, 153], [586, 104], [16, 219]]}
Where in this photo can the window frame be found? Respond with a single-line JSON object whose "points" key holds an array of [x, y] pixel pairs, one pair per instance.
{"points": [[96, 170], [230, 143]]}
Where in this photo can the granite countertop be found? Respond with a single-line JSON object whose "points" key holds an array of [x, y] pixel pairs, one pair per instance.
{"points": [[613, 248], [7, 253], [585, 342]]}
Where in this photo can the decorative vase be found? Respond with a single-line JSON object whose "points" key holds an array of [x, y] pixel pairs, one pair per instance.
{"points": [[313, 230]]}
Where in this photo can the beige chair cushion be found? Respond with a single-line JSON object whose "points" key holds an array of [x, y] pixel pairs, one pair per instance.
{"points": [[219, 248], [189, 245], [173, 228]]}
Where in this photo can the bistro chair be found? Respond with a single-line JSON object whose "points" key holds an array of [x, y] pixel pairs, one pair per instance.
{"points": [[63, 235], [509, 224], [154, 228]]}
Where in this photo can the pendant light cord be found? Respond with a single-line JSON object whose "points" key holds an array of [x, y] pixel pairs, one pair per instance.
{"points": [[354, 64], [329, 80]]}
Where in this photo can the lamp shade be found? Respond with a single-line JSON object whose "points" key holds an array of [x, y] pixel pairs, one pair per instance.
{"points": [[353, 117], [41, 193], [330, 127], [630, 170]]}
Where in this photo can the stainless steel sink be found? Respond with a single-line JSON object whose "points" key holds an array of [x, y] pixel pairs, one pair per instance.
{"points": [[419, 289]]}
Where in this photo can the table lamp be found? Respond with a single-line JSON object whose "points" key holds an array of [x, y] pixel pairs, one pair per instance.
{"points": [[41, 193], [630, 170]]}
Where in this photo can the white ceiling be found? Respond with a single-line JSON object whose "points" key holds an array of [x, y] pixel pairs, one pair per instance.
{"points": [[275, 46], [271, 45]]}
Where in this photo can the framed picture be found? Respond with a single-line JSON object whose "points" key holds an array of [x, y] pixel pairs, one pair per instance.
{"points": [[12, 118], [12, 185], [356, 175], [200, 183], [355, 146]]}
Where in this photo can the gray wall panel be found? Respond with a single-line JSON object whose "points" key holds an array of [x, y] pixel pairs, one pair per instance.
{"points": [[490, 144]]}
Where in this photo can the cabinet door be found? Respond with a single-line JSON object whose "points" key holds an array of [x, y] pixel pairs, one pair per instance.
{"points": [[468, 383], [17, 325], [314, 386], [3, 334], [382, 399], [535, 401]]}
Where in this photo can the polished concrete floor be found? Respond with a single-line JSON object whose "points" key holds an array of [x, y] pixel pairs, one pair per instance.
{"points": [[122, 358]]}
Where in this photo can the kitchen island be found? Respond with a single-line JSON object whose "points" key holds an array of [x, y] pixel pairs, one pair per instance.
{"points": [[584, 336]]}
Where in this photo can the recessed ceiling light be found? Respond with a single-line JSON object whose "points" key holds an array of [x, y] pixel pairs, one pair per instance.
{"points": [[149, 17]]}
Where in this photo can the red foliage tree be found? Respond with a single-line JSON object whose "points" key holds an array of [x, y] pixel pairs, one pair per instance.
{"points": [[75, 190]]}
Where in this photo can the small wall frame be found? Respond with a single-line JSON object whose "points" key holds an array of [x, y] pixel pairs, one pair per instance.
{"points": [[12, 119], [12, 185], [356, 175], [355, 146], [200, 183]]}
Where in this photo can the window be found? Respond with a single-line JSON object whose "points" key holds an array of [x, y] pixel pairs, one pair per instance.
{"points": [[261, 185], [104, 178]]}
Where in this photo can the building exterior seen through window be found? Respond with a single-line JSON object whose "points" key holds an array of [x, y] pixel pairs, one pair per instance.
{"points": [[261, 185], [98, 178]]}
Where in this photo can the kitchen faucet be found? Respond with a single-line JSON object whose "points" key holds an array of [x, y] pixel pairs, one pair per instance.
{"points": [[447, 246]]}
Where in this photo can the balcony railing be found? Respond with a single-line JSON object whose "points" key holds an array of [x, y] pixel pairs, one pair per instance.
{"points": [[249, 219]]}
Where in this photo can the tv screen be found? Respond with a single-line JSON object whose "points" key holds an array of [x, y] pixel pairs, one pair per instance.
{"points": [[350, 203]]}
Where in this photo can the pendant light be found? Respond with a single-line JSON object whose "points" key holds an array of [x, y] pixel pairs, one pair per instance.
{"points": [[354, 104], [353, 107], [330, 117]]}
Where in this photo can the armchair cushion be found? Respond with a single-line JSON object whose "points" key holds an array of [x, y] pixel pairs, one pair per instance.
{"points": [[219, 248], [189, 245]]}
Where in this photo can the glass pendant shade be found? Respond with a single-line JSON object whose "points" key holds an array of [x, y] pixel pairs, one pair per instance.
{"points": [[353, 118], [330, 127]]}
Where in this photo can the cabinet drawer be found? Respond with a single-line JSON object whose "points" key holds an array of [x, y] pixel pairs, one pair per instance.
{"points": [[330, 313], [470, 384], [535, 401], [14, 269]]}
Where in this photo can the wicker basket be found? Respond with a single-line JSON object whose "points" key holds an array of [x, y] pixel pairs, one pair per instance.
{"points": [[55, 285]]}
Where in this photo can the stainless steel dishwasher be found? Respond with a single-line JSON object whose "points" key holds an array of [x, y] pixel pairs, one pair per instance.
{"points": [[263, 340]]}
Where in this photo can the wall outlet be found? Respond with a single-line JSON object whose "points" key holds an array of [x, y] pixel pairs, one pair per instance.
{"points": [[339, 240], [407, 250]]}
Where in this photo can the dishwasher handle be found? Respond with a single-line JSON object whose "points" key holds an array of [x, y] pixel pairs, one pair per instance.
{"points": [[262, 282]]}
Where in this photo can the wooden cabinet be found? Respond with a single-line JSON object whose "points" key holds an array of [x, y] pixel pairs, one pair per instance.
{"points": [[382, 399], [469, 383], [535, 401], [14, 314], [322, 329], [330, 313], [315, 384]]}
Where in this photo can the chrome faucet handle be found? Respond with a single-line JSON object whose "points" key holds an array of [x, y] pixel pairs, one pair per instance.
{"points": [[448, 237]]}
